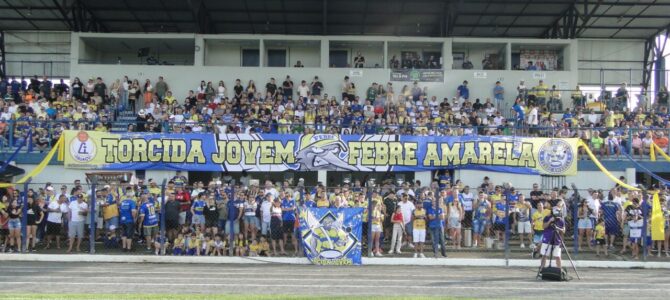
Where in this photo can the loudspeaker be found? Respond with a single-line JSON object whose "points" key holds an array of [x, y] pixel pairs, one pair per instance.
{"points": [[554, 274]]}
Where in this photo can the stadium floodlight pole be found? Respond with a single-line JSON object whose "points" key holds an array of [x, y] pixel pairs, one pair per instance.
{"points": [[162, 229], [93, 219], [24, 216]]}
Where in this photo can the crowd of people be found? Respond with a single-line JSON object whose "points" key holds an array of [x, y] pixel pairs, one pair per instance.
{"points": [[302, 107], [251, 219]]}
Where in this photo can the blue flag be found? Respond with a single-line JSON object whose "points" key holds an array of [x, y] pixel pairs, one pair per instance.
{"points": [[332, 236]]}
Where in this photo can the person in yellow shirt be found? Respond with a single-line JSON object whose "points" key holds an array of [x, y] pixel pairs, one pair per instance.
{"points": [[254, 248], [110, 208], [419, 229], [599, 236], [538, 226], [284, 124], [541, 93], [169, 99], [264, 247]]}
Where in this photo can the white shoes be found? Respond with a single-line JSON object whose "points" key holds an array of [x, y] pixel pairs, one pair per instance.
{"points": [[398, 252], [416, 255], [411, 245], [422, 256], [379, 254], [523, 246], [391, 251]]}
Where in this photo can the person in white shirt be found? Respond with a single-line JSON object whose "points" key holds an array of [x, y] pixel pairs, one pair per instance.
{"points": [[407, 209], [56, 208], [533, 116], [270, 189], [303, 89], [77, 211], [266, 214]]}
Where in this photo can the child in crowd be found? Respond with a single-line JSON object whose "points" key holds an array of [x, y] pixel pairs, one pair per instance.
{"points": [[160, 250], [635, 224], [240, 245], [599, 236], [254, 248], [219, 246], [264, 247], [398, 230], [178, 248], [192, 245], [207, 246]]}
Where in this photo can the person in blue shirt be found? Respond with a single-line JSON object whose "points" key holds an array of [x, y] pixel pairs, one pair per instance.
{"points": [[531, 67], [235, 212], [197, 211], [149, 220], [444, 180], [499, 94], [128, 212], [436, 224], [463, 90], [288, 220], [309, 201], [612, 215]]}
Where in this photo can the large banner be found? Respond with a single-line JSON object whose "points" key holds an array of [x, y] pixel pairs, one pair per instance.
{"points": [[311, 152], [422, 75], [332, 236]]}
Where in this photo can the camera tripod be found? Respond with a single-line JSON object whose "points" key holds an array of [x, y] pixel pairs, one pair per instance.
{"points": [[551, 252]]}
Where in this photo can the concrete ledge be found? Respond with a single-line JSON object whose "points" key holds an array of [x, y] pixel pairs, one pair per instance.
{"points": [[377, 261]]}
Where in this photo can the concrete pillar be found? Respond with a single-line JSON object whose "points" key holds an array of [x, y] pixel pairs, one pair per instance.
{"points": [[325, 53], [447, 56], [630, 176], [261, 54], [508, 56], [322, 176], [199, 58]]}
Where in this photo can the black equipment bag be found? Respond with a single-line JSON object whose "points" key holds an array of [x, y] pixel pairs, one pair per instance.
{"points": [[554, 274]]}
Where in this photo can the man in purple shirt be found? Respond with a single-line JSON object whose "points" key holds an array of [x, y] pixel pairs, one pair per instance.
{"points": [[554, 227]]}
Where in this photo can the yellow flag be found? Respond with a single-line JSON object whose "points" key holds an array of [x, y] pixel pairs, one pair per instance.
{"points": [[657, 220], [652, 152]]}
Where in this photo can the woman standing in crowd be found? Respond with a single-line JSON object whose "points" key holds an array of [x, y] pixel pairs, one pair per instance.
{"points": [[134, 95], [377, 219], [148, 92], [77, 87], [14, 225], [34, 217], [584, 224], [250, 219], [455, 216], [211, 216], [276, 227]]}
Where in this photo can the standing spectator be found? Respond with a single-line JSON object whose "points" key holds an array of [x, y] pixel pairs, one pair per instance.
{"points": [[612, 215], [287, 87], [455, 217], [436, 225], [398, 229], [419, 229], [172, 210], [523, 215], [211, 216], [250, 220], [148, 219], [584, 224], [128, 213], [55, 210], [14, 225], [197, 211], [35, 216], [266, 214], [540, 92], [78, 210], [100, 87], [407, 207], [288, 207], [346, 85], [161, 88], [316, 86], [276, 227], [463, 92], [662, 97], [499, 95], [184, 199], [531, 67], [371, 93], [303, 90], [271, 90], [377, 221], [359, 60], [481, 219]]}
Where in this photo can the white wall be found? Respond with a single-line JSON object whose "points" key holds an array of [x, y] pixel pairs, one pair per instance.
{"points": [[217, 54], [36, 49], [611, 54], [309, 56]]}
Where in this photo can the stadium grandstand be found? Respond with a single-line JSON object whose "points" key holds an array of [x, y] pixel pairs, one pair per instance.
{"points": [[329, 130]]}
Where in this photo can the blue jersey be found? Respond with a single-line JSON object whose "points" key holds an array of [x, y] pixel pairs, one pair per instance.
{"points": [[198, 207], [148, 211], [610, 210], [435, 223], [288, 215], [512, 199], [480, 212], [500, 212], [310, 203], [73, 198], [427, 204], [463, 91], [126, 211], [443, 180]]}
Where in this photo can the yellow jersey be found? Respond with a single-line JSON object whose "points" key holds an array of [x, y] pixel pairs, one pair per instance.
{"points": [[600, 232], [538, 219], [419, 219]]}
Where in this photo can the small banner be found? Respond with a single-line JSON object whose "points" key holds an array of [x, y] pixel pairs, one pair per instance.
{"points": [[332, 236], [422, 75]]}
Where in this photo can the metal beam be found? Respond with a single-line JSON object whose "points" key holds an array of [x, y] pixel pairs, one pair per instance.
{"points": [[324, 17], [23, 18], [479, 18], [365, 16], [201, 17], [246, 10], [3, 64], [517, 17], [587, 15], [631, 20], [64, 14], [132, 13]]}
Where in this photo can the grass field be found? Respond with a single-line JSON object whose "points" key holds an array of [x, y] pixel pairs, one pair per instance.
{"points": [[196, 297]]}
